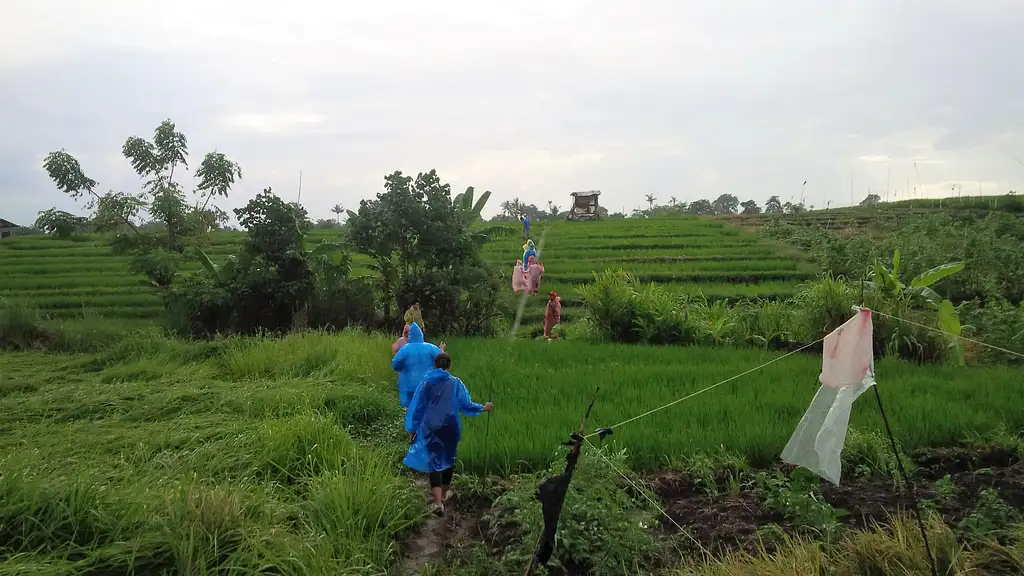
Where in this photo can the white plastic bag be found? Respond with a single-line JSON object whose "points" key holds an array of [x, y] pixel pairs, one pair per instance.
{"points": [[847, 372]]}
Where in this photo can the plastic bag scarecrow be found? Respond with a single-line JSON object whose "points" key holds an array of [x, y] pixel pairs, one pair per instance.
{"points": [[847, 371]]}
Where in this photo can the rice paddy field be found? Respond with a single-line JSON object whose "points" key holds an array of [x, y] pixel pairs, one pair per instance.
{"points": [[80, 277], [159, 455], [540, 391]]}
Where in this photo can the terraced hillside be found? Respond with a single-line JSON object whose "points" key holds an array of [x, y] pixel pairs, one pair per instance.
{"points": [[72, 277], [694, 255]]}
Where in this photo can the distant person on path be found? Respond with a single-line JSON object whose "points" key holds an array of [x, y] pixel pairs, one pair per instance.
{"points": [[412, 362], [553, 313], [526, 227], [433, 420], [529, 251], [536, 270], [414, 314], [402, 341]]}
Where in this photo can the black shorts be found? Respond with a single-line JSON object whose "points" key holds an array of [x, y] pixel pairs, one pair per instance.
{"points": [[442, 478]]}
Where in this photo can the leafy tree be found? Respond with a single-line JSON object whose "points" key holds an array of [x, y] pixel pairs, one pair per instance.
{"points": [[751, 207], [871, 200], [773, 206], [423, 251], [553, 209], [702, 207], [790, 208], [272, 282], [59, 223], [161, 198], [726, 204]]}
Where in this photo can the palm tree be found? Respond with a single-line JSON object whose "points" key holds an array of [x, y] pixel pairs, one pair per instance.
{"points": [[650, 201], [672, 201], [338, 210]]}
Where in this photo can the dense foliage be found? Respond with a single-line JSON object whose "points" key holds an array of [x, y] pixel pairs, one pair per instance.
{"points": [[989, 291], [424, 252]]}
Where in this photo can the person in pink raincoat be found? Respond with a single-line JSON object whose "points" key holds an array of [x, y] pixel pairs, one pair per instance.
{"points": [[536, 271], [553, 313], [402, 341], [518, 277]]}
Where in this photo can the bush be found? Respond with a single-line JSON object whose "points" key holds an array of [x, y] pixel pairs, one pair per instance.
{"points": [[620, 309]]}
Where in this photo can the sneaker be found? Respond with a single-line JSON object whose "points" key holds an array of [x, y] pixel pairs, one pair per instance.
{"points": [[437, 509]]}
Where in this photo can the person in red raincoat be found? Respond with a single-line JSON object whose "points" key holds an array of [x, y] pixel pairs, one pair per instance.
{"points": [[553, 314]]}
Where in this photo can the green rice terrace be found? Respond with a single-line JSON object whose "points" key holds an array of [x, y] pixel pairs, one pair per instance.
{"points": [[130, 450], [80, 276]]}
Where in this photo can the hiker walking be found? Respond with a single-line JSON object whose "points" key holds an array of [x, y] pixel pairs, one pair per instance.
{"points": [[553, 313], [402, 341], [412, 362], [414, 314], [433, 420], [526, 227]]}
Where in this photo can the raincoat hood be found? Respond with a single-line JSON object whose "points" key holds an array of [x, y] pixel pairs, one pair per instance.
{"points": [[436, 375], [415, 334]]}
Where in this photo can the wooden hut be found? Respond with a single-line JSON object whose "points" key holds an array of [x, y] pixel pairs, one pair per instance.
{"points": [[584, 206], [7, 228]]}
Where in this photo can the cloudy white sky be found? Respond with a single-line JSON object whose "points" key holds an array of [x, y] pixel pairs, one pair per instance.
{"points": [[525, 98]]}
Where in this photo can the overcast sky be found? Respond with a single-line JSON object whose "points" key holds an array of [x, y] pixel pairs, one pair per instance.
{"points": [[524, 98]]}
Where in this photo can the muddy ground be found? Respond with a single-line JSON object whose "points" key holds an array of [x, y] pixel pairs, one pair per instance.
{"points": [[730, 520]]}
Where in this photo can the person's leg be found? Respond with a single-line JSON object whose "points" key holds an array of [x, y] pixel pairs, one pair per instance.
{"points": [[435, 488], [446, 482]]}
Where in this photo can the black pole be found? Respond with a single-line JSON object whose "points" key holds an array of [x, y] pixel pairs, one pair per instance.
{"points": [[906, 480]]}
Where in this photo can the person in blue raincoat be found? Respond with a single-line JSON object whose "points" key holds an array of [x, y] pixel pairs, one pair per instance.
{"points": [[433, 420], [412, 362], [528, 250]]}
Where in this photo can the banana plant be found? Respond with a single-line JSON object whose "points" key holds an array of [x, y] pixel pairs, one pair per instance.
{"points": [[949, 322], [887, 282], [219, 274], [470, 213]]}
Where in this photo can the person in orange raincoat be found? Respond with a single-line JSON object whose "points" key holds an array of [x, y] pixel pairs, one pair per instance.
{"points": [[553, 314]]}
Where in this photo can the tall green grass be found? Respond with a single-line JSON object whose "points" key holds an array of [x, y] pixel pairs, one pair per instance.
{"points": [[283, 455]]}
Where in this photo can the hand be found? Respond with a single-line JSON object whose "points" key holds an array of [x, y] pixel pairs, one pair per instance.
{"points": [[488, 407], [442, 346]]}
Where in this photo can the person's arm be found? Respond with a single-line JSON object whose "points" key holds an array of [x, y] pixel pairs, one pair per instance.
{"points": [[398, 362], [465, 403]]}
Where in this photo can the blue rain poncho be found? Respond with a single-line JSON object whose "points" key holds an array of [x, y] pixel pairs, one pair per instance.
{"points": [[412, 362], [530, 250], [434, 417]]}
